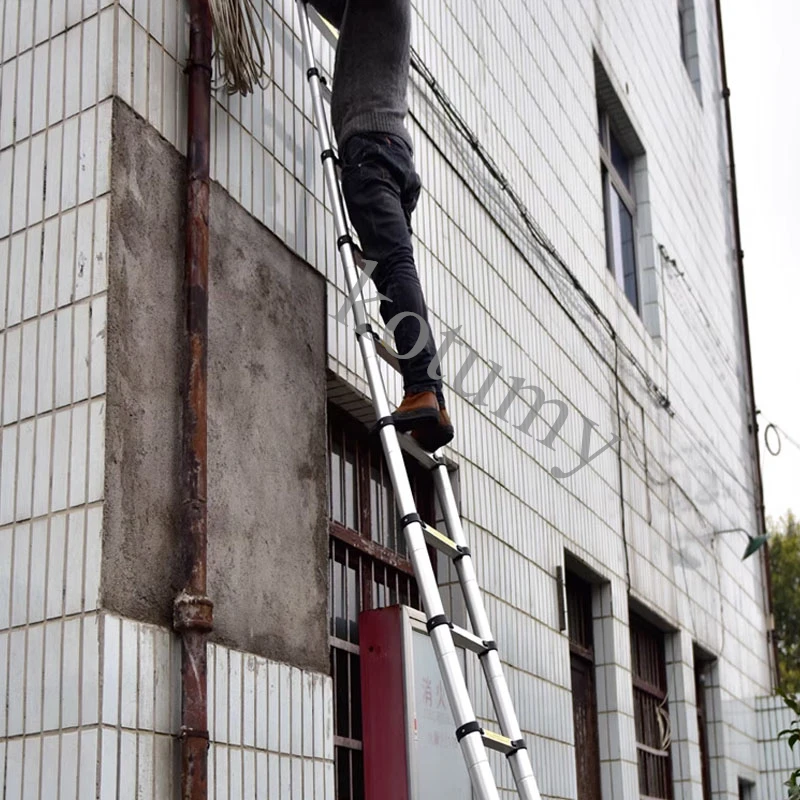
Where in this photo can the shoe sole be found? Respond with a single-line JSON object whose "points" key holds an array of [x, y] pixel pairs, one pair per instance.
{"points": [[408, 420], [431, 438]]}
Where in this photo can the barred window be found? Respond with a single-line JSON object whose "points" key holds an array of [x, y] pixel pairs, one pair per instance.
{"points": [[702, 674], [369, 568], [651, 710], [584, 696]]}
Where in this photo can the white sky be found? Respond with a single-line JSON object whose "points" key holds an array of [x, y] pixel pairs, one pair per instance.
{"points": [[762, 41]]}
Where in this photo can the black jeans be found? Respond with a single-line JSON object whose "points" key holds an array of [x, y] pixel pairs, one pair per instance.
{"points": [[381, 188]]}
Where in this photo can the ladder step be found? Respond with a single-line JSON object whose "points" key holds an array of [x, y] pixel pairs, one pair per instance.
{"points": [[469, 641], [410, 447], [499, 743], [442, 543], [390, 359], [326, 92]]}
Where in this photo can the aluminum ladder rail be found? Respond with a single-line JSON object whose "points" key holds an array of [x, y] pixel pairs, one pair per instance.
{"points": [[445, 636]]}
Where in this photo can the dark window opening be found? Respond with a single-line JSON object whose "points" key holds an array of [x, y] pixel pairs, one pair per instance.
{"points": [[584, 695], [651, 710], [369, 568], [702, 676]]}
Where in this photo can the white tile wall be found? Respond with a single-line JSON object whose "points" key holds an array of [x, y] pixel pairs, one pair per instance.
{"points": [[521, 74], [62, 723], [55, 128]]}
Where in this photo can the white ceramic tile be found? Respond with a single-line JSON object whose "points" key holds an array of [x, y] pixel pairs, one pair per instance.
{"points": [[8, 80], [111, 668], [78, 451], [109, 764], [27, 372], [25, 433], [22, 113], [129, 678], [30, 299], [73, 570], [11, 380], [32, 753], [6, 166]]}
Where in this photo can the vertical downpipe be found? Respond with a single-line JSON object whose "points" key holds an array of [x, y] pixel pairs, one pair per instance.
{"points": [[193, 611]]}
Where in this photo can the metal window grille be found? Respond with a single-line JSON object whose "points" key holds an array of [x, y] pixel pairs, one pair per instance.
{"points": [[650, 710], [584, 695], [702, 674], [368, 568]]}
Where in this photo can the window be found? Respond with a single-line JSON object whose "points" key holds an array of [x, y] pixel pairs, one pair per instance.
{"points": [[702, 673], [584, 697], [369, 569], [746, 789], [650, 709], [619, 208], [687, 28]]}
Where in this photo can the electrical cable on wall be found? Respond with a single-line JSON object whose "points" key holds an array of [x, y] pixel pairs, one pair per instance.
{"points": [[712, 330], [774, 445], [533, 229], [465, 132], [240, 41], [567, 278]]}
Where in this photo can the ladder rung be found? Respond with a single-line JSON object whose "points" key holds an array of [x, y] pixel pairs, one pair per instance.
{"points": [[386, 355], [441, 542], [411, 448], [469, 641], [323, 26], [326, 92], [498, 742]]}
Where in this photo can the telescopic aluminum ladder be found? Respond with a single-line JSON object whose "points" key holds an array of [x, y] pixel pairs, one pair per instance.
{"points": [[445, 636]]}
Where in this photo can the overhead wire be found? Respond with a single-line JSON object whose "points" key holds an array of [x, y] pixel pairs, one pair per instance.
{"points": [[683, 281], [460, 125], [524, 223], [781, 434]]}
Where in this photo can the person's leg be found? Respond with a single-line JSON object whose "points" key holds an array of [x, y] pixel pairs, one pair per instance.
{"points": [[375, 182], [381, 189]]}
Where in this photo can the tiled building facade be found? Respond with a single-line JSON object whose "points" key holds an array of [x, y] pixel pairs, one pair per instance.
{"points": [[607, 119]]}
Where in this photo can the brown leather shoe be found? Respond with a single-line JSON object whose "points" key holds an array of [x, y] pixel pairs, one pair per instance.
{"points": [[432, 436], [415, 410]]}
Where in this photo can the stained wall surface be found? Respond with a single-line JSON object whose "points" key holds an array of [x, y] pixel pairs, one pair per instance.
{"points": [[266, 396]]}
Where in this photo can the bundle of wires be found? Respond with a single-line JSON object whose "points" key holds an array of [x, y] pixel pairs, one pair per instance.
{"points": [[242, 50]]}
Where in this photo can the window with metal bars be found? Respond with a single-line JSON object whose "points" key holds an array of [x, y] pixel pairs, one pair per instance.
{"points": [[584, 695], [369, 568], [702, 675], [651, 711]]}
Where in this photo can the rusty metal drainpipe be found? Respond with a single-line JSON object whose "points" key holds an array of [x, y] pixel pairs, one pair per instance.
{"points": [[193, 611], [737, 236]]}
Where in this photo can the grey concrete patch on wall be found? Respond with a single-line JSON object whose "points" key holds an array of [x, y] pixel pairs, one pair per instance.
{"points": [[267, 493]]}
